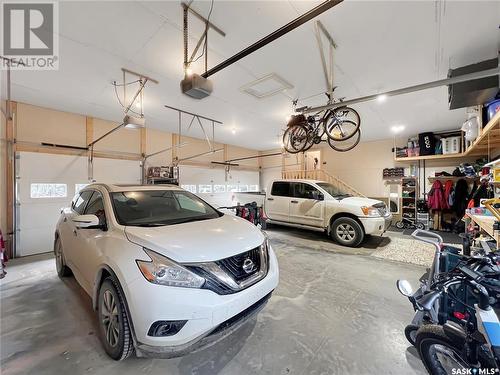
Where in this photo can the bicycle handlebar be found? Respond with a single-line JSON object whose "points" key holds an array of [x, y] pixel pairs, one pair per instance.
{"points": [[430, 237]]}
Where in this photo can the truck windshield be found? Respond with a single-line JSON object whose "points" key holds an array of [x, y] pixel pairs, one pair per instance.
{"points": [[332, 190], [160, 207]]}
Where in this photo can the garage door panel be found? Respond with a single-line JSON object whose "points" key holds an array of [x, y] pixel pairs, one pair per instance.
{"points": [[37, 217]]}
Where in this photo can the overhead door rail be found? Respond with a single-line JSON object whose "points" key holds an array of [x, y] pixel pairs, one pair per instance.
{"points": [[128, 121], [198, 118]]}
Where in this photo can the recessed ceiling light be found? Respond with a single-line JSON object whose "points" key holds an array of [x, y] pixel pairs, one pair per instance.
{"points": [[233, 130], [397, 128], [381, 98]]}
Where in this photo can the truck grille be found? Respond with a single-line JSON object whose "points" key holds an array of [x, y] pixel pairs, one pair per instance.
{"points": [[382, 208]]}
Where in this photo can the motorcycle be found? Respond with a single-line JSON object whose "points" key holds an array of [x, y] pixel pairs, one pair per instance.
{"points": [[445, 258], [472, 344]]}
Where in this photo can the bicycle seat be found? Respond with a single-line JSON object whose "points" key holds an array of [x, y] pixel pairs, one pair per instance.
{"points": [[301, 109]]}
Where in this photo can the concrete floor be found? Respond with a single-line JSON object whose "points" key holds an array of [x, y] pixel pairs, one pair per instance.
{"points": [[336, 311]]}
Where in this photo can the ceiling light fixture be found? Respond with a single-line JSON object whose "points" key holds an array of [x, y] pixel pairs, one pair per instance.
{"points": [[381, 98], [132, 122], [233, 130], [397, 128]]}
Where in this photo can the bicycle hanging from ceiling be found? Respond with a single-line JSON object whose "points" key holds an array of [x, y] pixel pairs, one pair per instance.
{"points": [[340, 125]]}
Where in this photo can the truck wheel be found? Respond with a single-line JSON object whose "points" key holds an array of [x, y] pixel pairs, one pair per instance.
{"points": [[347, 231]]}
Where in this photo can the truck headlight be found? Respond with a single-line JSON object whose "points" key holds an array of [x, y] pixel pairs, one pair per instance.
{"points": [[370, 211], [163, 271]]}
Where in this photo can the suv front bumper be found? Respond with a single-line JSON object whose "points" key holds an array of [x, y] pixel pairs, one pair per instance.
{"points": [[204, 310]]}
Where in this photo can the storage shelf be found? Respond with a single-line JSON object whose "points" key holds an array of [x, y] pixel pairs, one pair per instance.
{"points": [[487, 140], [452, 178]]}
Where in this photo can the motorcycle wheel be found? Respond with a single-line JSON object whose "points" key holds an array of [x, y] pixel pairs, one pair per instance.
{"points": [[438, 352], [411, 333], [399, 224], [295, 139], [420, 225]]}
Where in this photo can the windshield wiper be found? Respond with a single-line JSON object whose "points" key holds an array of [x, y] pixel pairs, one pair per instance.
{"points": [[148, 225], [191, 220]]}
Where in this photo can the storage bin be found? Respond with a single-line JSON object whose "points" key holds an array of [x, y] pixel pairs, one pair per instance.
{"points": [[493, 108], [451, 145], [427, 143]]}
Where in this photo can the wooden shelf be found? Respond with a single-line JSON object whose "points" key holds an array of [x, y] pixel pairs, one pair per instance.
{"points": [[488, 139], [452, 178]]}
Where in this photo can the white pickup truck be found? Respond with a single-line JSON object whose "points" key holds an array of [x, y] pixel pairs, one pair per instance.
{"points": [[320, 206]]}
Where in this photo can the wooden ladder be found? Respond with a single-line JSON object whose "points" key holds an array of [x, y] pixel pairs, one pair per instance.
{"points": [[321, 175]]}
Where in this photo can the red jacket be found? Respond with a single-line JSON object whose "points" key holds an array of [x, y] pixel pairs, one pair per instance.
{"points": [[435, 198]]}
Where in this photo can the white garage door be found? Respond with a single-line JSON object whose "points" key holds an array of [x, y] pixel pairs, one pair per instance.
{"points": [[212, 184], [46, 183]]}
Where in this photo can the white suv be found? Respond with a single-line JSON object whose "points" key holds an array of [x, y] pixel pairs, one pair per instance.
{"points": [[167, 273]]}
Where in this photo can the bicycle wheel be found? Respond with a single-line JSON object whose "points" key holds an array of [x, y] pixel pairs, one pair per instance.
{"points": [[342, 123], [295, 139], [347, 144]]}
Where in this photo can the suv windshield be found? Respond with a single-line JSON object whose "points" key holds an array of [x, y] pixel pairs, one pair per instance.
{"points": [[332, 190], [160, 207]]}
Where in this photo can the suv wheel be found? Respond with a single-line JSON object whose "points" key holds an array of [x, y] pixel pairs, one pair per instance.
{"points": [[347, 231], [113, 323], [61, 267]]}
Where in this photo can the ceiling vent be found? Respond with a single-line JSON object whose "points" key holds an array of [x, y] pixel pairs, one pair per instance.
{"points": [[266, 86]]}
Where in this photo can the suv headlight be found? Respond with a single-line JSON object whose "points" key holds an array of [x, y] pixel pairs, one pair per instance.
{"points": [[370, 211], [164, 271]]}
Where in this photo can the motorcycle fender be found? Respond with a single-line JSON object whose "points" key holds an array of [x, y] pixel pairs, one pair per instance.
{"points": [[418, 318], [455, 332]]}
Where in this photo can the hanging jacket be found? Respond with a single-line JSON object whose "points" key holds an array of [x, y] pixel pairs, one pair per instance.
{"points": [[482, 192], [435, 198], [448, 193], [461, 197]]}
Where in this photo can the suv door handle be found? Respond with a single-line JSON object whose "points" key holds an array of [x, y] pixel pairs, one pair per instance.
{"points": [[270, 199], [75, 232], [294, 201]]}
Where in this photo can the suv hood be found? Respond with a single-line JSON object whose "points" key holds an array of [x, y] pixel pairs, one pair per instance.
{"points": [[199, 241]]}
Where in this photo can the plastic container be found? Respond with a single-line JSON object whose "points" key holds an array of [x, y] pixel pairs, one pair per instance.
{"points": [[493, 108], [451, 145]]}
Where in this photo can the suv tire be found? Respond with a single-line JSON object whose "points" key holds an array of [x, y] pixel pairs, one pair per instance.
{"points": [[62, 269], [113, 323], [347, 232]]}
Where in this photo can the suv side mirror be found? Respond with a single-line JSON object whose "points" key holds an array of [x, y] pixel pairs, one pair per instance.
{"points": [[318, 196], [87, 221]]}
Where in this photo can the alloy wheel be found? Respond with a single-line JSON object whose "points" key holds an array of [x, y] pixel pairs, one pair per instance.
{"points": [[346, 232], [109, 311]]}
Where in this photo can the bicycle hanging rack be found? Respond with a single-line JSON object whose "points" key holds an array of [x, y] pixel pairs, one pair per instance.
{"points": [[339, 127]]}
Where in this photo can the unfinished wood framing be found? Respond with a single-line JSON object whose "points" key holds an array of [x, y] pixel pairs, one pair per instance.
{"points": [[10, 174]]}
